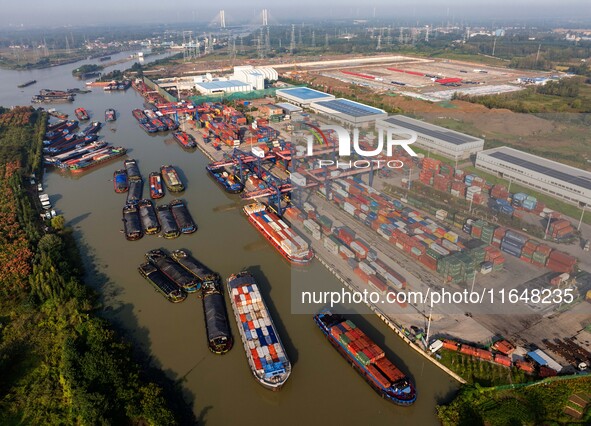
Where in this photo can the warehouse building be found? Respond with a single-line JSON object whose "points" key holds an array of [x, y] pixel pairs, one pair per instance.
{"points": [[348, 112], [289, 109], [222, 86], [302, 96], [256, 77], [556, 179], [436, 139]]}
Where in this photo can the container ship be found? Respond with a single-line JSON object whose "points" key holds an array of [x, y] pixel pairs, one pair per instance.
{"points": [[171, 179], [169, 122], [98, 159], [110, 115], [120, 182], [182, 217], [289, 244], [175, 272], [169, 226], [162, 283], [131, 223], [228, 181], [265, 353], [185, 140], [148, 217], [59, 159], [156, 190], [81, 114], [367, 358], [92, 128], [139, 115], [217, 327], [148, 127]]}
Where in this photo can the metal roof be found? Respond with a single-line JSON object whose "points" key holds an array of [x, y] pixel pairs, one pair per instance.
{"points": [[304, 93], [432, 130], [537, 164], [223, 84], [289, 107], [543, 358], [351, 108]]}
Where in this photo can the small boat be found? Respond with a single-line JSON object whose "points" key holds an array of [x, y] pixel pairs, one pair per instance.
{"points": [[131, 222], [57, 114], [162, 283], [170, 229], [217, 327], [92, 128], [110, 115], [28, 83], [148, 127], [81, 114], [159, 125], [265, 353], [133, 171], [169, 122], [171, 179], [136, 188], [177, 274], [185, 140], [148, 217], [156, 189], [183, 217], [228, 181], [120, 182]]}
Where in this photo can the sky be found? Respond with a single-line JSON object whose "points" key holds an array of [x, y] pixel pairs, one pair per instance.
{"points": [[77, 12]]}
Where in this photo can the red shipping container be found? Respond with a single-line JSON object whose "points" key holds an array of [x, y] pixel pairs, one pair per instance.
{"points": [[362, 275], [503, 360]]}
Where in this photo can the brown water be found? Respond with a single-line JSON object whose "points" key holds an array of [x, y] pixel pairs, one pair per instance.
{"points": [[322, 389]]}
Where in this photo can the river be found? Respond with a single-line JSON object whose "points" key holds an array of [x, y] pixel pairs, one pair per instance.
{"points": [[322, 389]]}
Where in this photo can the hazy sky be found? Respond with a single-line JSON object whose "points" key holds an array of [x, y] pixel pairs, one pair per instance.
{"points": [[81, 12]]}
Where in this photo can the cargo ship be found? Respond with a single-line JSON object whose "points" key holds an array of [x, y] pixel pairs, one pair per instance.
{"points": [[57, 114], [162, 283], [228, 181], [134, 194], [60, 130], [59, 159], [56, 126], [171, 179], [110, 115], [156, 190], [182, 217], [265, 353], [169, 122], [81, 114], [148, 127], [139, 115], [148, 217], [288, 243], [133, 171], [170, 229], [110, 154], [92, 128], [185, 140], [367, 359], [177, 274], [131, 223], [27, 84], [120, 182], [69, 143]]}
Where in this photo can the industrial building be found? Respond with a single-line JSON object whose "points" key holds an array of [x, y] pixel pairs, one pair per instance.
{"points": [[222, 86], [436, 139], [289, 109], [348, 112], [270, 111], [302, 96], [556, 179], [255, 76]]}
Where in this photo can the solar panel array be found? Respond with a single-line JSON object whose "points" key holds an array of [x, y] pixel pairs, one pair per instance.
{"points": [[352, 109], [580, 181], [444, 135], [304, 93]]}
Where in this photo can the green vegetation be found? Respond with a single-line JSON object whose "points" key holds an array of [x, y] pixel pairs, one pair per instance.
{"points": [[59, 362], [536, 404], [84, 69], [113, 75]]}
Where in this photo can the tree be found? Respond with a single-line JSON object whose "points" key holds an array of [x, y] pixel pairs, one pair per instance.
{"points": [[58, 222]]}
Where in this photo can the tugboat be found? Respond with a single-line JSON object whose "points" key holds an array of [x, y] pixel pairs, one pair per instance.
{"points": [[81, 114], [156, 189], [110, 115], [120, 182]]}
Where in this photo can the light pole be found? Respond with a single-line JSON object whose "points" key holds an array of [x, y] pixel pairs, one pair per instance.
{"points": [[548, 217], [473, 282], [581, 220]]}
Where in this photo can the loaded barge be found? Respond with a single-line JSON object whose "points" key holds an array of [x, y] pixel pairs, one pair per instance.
{"points": [[148, 217], [228, 181], [162, 283], [217, 327], [367, 358], [265, 353], [185, 140], [107, 155], [120, 182], [179, 275], [287, 242], [131, 222], [136, 188], [171, 179], [170, 229], [156, 190], [182, 217]]}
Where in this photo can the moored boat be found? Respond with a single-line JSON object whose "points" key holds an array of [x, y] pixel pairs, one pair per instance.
{"points": [[286, 241], [169, 122], [136, 188], [133, 170], [185, 140], [179, 275], [110, 115], [120, 182], [81, 113], [265, 353], [139, 115], [169, 227], [171, 179], [228, 181], [148, 217], [131, 222], [156, 189], [28, 83], [162, 283], [97, 159], [367, 358], [183, 217]]}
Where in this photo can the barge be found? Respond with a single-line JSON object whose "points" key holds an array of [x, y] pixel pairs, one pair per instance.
{"points": [[148, 217], [131, 222], [182, 217], [162, 283], [177, 274]]}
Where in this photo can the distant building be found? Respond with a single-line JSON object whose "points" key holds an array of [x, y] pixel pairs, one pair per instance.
{"points": [[255, 76], [348, 112], [222, 86], [270, 110], [302, 96]]}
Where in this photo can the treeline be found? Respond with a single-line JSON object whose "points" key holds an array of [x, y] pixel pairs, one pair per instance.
{"points": [[59, 362]]}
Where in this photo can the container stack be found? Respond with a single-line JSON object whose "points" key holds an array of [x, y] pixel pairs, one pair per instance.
{"points": [[540, 255], [513, 243], [560, 228], [561, 262], [528, 251], [494, 255]]}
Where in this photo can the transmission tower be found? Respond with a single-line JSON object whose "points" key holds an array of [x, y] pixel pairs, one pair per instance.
{"points": [[300, 36], [401, 38], [222, 18], [313, 39], [379, 46], [265, 17], [427, 34], [292, 40], [326, 40]]}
